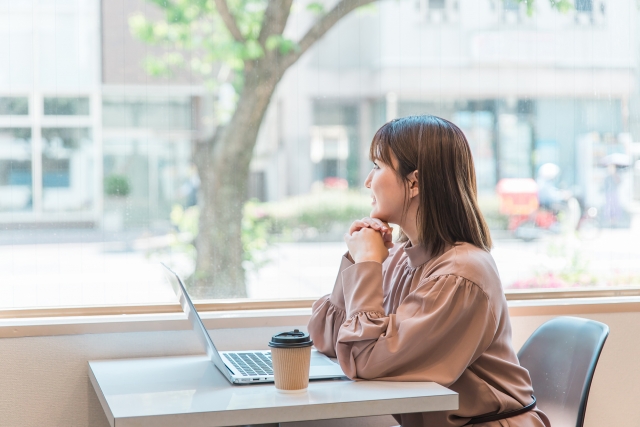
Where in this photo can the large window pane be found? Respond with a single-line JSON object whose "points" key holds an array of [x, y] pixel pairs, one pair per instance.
{"points": [[66, 106], [148, 113], [15, 169], [16, 106], [549, 102], [143, 179], [67, 169]]}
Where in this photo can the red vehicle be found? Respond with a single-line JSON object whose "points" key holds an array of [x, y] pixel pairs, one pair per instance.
{"points": [[527, 219], [519, 201]]}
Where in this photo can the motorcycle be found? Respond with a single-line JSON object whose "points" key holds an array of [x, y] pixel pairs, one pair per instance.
{"points": [[528, 220]]}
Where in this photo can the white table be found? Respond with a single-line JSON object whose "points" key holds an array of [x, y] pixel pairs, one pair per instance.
{"points": [[189, 391]]}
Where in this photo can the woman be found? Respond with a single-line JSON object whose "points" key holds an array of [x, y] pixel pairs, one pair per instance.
{"points": [[431, 307]]}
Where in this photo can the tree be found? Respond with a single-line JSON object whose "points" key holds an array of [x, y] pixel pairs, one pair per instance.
{"points": [[245, 38]]}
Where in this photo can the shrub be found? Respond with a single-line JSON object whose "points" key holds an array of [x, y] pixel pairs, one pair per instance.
{"points": [[321, 211], [116, 185]]}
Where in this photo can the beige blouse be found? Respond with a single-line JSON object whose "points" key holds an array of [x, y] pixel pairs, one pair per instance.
{"points": [[420, 317]]}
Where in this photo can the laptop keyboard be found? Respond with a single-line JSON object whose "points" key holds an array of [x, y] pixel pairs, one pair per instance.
{"points": [[251, 364]]}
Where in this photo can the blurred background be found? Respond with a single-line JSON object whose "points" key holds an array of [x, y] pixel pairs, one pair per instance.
{"points": [[98, 180]]}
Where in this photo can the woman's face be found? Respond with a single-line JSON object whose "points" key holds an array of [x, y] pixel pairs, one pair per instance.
{"points": [[387, 191]]}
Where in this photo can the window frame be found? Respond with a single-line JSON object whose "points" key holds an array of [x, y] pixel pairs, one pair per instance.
{"points": [[566, 295]]}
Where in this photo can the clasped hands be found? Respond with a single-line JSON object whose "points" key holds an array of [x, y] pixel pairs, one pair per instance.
{"points": [[369, 239]]}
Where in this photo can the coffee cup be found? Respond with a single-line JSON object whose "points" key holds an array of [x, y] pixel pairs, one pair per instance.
{"points": [[291, 358]]}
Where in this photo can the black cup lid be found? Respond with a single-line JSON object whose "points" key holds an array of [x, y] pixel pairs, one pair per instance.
{"points": [[292, 339]]}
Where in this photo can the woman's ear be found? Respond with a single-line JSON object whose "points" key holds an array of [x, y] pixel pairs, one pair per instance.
{"points": [[414, 188]]}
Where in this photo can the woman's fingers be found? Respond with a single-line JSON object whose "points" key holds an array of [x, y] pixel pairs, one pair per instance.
{"points": [[366, 244], [357, 226], [377, 224], [385, 229]]}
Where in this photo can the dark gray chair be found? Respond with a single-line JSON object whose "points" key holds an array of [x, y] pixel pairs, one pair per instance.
{"points": [[561, 357]]}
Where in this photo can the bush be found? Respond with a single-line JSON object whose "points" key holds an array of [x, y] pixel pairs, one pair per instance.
{"points": [[116, 185], [319, 212]]}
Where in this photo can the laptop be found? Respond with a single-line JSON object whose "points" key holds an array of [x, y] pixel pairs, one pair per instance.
{"points": [[244, 367]]}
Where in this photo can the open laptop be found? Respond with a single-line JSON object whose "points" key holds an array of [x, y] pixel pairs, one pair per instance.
{"points": [[244, 367]]}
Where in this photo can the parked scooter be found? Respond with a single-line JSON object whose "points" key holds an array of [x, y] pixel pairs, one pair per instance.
{"points": [[528, 220], [571, 217]]}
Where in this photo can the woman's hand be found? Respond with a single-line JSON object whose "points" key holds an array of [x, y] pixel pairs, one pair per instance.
{"points": [[366, 245], [369, 239], [382, 227]]}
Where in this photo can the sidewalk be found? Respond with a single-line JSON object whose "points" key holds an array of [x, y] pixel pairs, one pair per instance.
{"points": [[88, 267]]}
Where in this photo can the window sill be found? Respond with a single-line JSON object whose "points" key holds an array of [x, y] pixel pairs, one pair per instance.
{"points": [[102, 324], [284, 317]]}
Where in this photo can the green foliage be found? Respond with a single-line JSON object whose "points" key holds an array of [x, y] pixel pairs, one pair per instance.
{"points": [[163, 65], [196, 26], [327, 214], [562, 6], [116, 185], [185, 220], [255, 233], [367, 9], [255, 236], [186, 223], [321, 212], [316, 7], [283, 45]]}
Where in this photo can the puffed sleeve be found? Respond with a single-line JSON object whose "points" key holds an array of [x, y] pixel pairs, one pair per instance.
{"points": [[327, 315], [436, 333]]}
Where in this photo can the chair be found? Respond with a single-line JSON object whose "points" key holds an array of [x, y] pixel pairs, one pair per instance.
{"points": [[561, 357]]}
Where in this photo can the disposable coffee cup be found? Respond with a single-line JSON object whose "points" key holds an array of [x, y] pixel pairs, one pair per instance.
{"points": [[291, 358]]}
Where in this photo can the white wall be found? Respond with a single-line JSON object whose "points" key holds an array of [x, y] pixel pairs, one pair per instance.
{"points": [[44, 380]]}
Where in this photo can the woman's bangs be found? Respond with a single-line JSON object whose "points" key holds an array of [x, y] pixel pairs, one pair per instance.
{"points": [[380, 149]]}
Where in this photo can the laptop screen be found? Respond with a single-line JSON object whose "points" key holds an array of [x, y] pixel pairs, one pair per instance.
{"points": [[196, 321]]}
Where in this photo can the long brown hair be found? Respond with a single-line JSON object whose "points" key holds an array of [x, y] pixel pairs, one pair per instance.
{"points": [[448, 211]]}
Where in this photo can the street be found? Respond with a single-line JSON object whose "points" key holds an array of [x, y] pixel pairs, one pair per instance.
{"points": [[103, 273]]}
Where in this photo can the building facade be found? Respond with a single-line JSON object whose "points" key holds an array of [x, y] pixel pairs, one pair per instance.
{"points": [[525, 89], [82, 124]]}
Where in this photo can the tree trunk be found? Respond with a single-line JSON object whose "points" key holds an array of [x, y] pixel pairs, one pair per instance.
{"points": [[223, 167]]}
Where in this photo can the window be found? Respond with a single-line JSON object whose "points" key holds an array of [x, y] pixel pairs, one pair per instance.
{"points": [[15, 169], [113, 162], [14, 106], [590, 12], [67, 169], [512, 12], [66, 106], [438, 11], [148, 112], [584, 6]]}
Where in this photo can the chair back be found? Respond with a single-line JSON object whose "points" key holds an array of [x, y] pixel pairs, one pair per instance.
{"points": [[561, 357]]}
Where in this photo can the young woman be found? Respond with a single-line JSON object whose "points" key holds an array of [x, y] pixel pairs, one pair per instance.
{"points": [[430, 307]]}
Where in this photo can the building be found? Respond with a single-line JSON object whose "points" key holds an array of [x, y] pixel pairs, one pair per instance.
{"points": [[78, 112], [525, 89], [81, 122]]}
